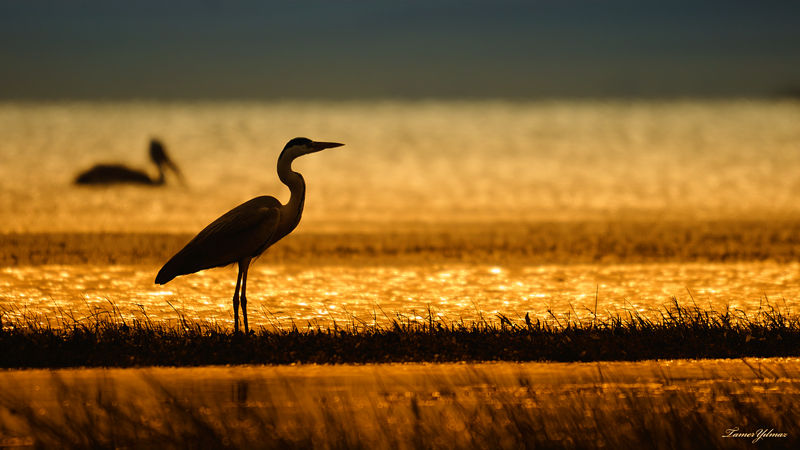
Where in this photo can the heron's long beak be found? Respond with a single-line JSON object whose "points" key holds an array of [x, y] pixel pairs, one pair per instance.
{"points": [[176, 171], [165, 161], [323, 145]]}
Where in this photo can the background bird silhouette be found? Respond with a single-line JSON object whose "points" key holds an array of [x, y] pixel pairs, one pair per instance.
{"points": [[246, 231], [117, 173]]}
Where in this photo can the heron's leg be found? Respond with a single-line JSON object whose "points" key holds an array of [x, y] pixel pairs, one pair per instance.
{"points": [[244, 295], [236, 300]]}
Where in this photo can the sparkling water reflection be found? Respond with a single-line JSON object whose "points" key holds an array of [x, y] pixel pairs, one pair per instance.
{"points": [[280, 296]]}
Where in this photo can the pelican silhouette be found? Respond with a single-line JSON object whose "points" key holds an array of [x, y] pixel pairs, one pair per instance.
{"points": [[116, 173], [245, 232]]}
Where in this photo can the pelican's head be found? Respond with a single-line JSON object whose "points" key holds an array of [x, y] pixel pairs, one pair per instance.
{"points": [[159, 156], [303, 146]]}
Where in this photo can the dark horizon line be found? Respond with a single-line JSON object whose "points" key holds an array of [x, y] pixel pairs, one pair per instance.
{"points": [[785, 95]]}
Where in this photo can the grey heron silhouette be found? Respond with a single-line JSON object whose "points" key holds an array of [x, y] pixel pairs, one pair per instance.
{"points": [[245, 232], [106, 174]]}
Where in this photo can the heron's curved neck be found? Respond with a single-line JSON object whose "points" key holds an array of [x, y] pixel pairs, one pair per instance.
{"points": [[294, 181], [160, 179]]}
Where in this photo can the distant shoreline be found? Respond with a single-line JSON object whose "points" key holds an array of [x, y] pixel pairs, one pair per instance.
{"points": [[579, 242]]}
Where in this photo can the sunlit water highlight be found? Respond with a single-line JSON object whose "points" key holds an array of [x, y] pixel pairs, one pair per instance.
{"points": [[280, 296]]}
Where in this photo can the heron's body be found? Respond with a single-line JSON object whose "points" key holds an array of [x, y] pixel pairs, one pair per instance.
{"points": [[104, 174], [245, 232], [116, 173], [241, 233]]}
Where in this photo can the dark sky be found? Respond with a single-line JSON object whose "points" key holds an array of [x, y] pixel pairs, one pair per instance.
{"points": [[229, 49]]}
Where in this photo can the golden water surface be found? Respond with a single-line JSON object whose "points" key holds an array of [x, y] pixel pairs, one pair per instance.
{"points": [[286, 296], [410, 165], [404, 162]]}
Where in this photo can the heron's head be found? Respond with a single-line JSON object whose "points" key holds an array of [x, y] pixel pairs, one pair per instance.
{"points": [[159, 156], [303, 146], [157, 152]]}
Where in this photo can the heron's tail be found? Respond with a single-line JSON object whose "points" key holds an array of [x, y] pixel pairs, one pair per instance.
{"points": [[173, 268], [165, 275], [184, 262]]}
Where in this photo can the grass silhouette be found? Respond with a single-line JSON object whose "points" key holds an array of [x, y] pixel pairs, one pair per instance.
{"points": [[106, 339]]}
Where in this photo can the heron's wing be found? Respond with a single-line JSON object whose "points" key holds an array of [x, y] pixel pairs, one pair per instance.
{"points": [[108, 174], [240, 233]]}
